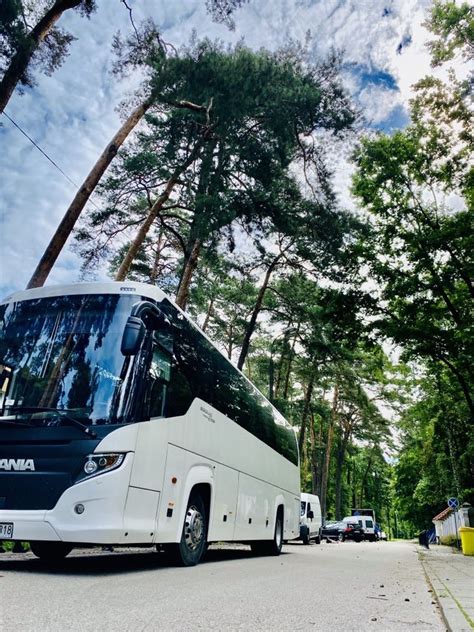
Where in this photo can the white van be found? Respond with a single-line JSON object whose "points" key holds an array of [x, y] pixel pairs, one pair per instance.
{"points": [[366, 522], [310, 519]]}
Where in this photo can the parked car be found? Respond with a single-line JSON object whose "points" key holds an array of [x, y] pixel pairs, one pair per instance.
{"points": [[383, 536], [310, 519], [352, 531], [366, 523], [332, 529]]}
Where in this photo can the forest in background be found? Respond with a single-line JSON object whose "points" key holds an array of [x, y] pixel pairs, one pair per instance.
{"points": [[219, 188]]}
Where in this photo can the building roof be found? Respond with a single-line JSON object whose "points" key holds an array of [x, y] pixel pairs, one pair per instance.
{"points": [[443, 514]]}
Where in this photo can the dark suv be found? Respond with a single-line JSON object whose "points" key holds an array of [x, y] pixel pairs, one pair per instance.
{"points": [[332, 530]]}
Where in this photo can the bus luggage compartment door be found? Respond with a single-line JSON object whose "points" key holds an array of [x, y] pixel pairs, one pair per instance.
{"points": [[140, 515], [224, 509]]}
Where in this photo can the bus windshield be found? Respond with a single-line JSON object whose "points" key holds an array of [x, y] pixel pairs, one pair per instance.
{"points": [[63, 353]]}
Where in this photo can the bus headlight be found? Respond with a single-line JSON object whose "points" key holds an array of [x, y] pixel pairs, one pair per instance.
{"points": [[100, 463]]}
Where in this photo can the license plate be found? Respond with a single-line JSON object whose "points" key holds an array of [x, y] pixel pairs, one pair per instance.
{"points": [[6, 530]]}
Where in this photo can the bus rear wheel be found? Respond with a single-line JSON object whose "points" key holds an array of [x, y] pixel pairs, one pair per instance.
{"points": [[193, 542], [51, 551], [271, 547]]}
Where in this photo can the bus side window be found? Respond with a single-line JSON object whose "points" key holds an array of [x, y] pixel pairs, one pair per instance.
{"points": [[160, 374]]}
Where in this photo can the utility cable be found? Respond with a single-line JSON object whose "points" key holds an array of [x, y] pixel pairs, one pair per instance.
{"points": [[46, 156]]}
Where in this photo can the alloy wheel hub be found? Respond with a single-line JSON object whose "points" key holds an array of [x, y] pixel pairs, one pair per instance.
{"points": [[193, 528]]}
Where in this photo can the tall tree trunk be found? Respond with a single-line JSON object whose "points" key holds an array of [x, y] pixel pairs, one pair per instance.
{"points": [[156, 259], [314, 457], [281, 365], [304, 419], [72, 214], [354, 486], [364, 480], [230, 349], [210, 307], [256, 311], [341, 453], [338, 480], [249, 370], [327, 457], [290, 363], [453, 457], [153, 212], [21, 59], [319, 471], [186, 278], [460, 378], [195, 242]]}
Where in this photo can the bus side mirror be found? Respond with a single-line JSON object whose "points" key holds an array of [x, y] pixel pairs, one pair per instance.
{"points": [[133, 335]]}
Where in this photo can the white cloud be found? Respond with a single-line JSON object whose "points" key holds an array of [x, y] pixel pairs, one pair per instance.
{"points": [[378, 102]]}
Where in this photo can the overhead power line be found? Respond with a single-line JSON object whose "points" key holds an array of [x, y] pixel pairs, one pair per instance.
{"points": [[76, 186]]}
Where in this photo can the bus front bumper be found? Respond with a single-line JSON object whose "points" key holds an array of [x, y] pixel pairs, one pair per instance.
{"points": [[90, 512]]}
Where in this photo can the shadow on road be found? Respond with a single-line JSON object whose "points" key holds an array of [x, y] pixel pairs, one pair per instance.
{"points": [[98, 563]]}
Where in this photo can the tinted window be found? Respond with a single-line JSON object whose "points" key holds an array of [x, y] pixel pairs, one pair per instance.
{"points": [[63, 353], [199, 370]]}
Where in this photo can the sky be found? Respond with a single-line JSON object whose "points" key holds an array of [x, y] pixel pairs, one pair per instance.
{"points": [[73, 114]]}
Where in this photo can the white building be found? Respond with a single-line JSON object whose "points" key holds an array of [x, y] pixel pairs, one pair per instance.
{"points": [[448, 522]]}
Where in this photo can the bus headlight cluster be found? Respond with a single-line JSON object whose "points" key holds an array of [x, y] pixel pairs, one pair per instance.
{"points": [[99, 463]]}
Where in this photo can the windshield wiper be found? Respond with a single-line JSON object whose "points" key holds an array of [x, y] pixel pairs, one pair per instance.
{"points": [[61, 414]]}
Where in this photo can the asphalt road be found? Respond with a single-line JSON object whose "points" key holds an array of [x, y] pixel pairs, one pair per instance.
{"points": [[330, 587]]}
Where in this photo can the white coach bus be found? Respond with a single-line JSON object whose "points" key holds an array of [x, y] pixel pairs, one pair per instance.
{"points": [[122, 424]]}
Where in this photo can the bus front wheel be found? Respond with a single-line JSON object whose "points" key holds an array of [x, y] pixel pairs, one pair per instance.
{"points": [[50, 551], [193, 543]]}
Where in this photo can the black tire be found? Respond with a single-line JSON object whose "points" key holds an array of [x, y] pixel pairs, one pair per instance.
{"points": [[271, 547], [51, 551], [305, 536], [193, 544], [317, 539]]}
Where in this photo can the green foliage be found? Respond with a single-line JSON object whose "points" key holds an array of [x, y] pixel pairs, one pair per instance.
{"points": [[420, 253], [8, 545], [257, 103], [453, 24], [17, 20], [416, 187], [224, 297]]}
